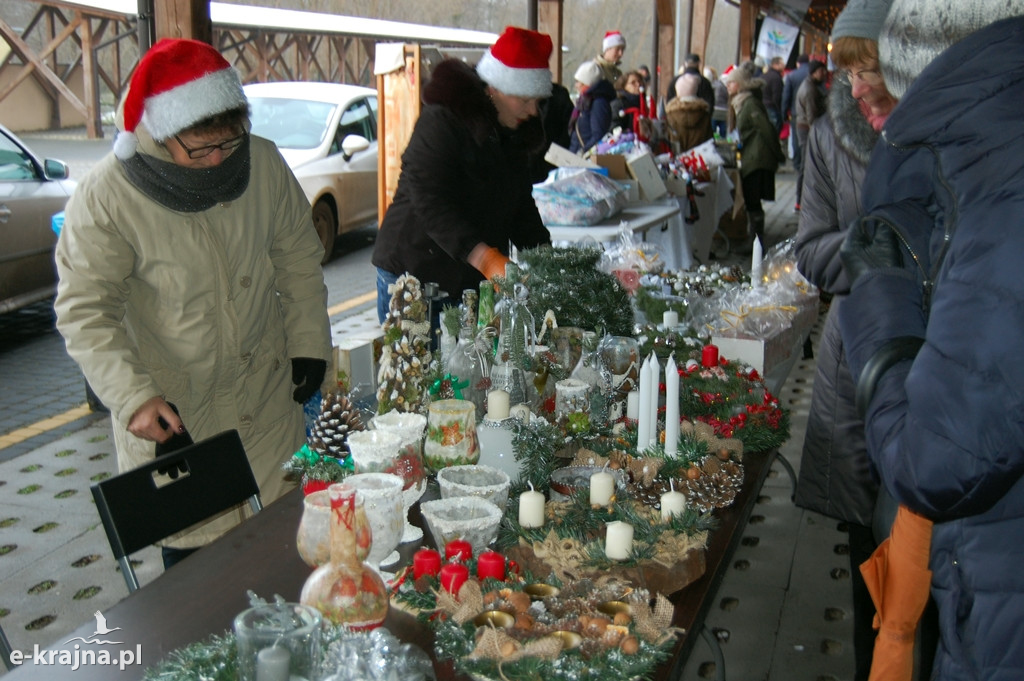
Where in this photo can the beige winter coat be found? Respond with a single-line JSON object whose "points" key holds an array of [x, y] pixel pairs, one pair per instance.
{"points": [[205, 309]]}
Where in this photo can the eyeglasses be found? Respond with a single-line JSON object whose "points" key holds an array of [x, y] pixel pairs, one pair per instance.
{"points": [[226, 146], [869, 77]]}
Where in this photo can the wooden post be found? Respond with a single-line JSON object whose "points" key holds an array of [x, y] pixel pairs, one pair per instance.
{"points": [[183, 19], [549, 20], [398, 94], [664, 69]]}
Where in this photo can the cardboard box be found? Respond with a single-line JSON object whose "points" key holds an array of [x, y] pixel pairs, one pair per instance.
{"points": [[675, 185], [616, 165], [768, 354], [645, 172], [563, 158]]}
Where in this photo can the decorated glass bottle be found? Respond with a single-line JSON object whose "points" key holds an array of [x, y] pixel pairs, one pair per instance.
{"points": [[346, 590], [590, 370]]}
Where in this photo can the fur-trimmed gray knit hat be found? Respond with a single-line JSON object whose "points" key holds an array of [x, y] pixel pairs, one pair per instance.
{"points": [[917, 31], [861, 19]]}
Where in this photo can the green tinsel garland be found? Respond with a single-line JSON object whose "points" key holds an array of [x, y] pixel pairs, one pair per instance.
{"points": [[567, 281]]}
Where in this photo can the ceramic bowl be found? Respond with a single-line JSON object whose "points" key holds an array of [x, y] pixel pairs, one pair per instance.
{"points": [[471, 518], [484, 482]]}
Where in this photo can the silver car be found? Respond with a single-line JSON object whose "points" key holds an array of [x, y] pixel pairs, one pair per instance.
{"points": [[327, 133], [32, 191]]}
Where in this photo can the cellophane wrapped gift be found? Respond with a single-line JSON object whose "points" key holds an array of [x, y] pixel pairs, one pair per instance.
{"points": [[375, 656], [630, 258], [576, 196]]}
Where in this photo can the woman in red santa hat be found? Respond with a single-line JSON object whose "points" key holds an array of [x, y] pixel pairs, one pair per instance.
{"points": [[465, 192], [190, 276]]}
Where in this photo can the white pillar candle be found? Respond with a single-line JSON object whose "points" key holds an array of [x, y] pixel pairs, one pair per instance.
{"points": [[272, 664], [633, 405], [671, 407], [531, 508], [521, 412], [672, 502], [571, 395], [497, 405], [756, 256], [670, 319], [602, 487], [643, 423], [618, 542], [655, 375]]}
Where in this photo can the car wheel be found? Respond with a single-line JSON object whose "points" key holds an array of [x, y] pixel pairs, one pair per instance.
{"points": [[326, 225]]}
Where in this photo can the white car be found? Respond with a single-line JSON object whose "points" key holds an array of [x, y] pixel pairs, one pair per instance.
{"points": [[327, 132], [32, 190]]}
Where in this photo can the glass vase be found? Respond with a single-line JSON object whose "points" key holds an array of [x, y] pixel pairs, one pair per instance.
{"points": [[374, 451], [591, 371], [278, 641], [410, 428], [313, 540], [346, 590], [620, 356], [451, 435]]}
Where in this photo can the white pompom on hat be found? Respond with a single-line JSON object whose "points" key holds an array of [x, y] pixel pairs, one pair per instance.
{"points": [[517, 63], [176, 84], [612, 39]]}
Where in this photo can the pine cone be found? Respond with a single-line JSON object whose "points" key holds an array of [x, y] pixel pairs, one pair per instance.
{"points": [[338, 417], [713, 490]]}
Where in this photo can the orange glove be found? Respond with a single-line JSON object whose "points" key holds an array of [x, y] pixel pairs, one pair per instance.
{"points": [[898, 578], [489, 260]]}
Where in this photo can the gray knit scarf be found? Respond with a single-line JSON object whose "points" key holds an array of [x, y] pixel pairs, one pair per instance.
{"points": [[190, 190]]}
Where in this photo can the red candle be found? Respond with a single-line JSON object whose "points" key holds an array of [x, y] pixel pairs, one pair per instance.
{"points": [[458, 548], [709, 356], [490, 564], [453, 576], [425, 562]]}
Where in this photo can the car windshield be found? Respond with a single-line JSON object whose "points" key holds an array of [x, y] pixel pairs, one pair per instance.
{"points": [[291, 123]]}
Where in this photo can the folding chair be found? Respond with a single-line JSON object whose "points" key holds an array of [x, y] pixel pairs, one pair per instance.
{"points": [[142, 506]]}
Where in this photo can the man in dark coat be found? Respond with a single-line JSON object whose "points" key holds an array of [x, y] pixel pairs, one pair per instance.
{"points": [[933, 322], [465, 192], [771, 94]]}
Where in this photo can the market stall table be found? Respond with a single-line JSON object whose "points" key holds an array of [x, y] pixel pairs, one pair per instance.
{"points": [[202, 594], [662, 222]]}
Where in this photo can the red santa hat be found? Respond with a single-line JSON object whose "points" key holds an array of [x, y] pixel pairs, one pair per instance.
{"points": [[612, 39], [517, 63], [176, 84]]}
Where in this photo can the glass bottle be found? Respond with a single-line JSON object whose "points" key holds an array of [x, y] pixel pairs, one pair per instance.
{"points": [[346, 590], [591, 370]]}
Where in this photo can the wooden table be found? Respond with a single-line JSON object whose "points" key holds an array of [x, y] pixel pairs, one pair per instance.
{"points": [[201, 595]]}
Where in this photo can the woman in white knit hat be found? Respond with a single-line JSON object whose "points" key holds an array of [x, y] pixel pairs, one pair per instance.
{"points": [[465, 192], [190, 275]]}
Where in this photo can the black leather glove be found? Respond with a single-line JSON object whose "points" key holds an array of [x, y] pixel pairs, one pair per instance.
{"points": [[307, 374], [870, 244], [176, 442]]}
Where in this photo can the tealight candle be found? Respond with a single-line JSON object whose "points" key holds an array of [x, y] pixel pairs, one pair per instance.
{"points": [[618, 542], [458, 548], [709, 356], [453, 576], [272, 664], [497, 405], [425, 562], [490, 564], [633, 405], [672, 502], [670, 319], [531, 508], [602, 487]]}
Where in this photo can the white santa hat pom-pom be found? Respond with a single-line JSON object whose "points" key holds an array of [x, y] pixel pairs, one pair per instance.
{"points": [[125, 145]]}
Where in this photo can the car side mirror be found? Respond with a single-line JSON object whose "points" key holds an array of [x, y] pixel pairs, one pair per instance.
{"points": [[56, 170], [352, 145]]}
